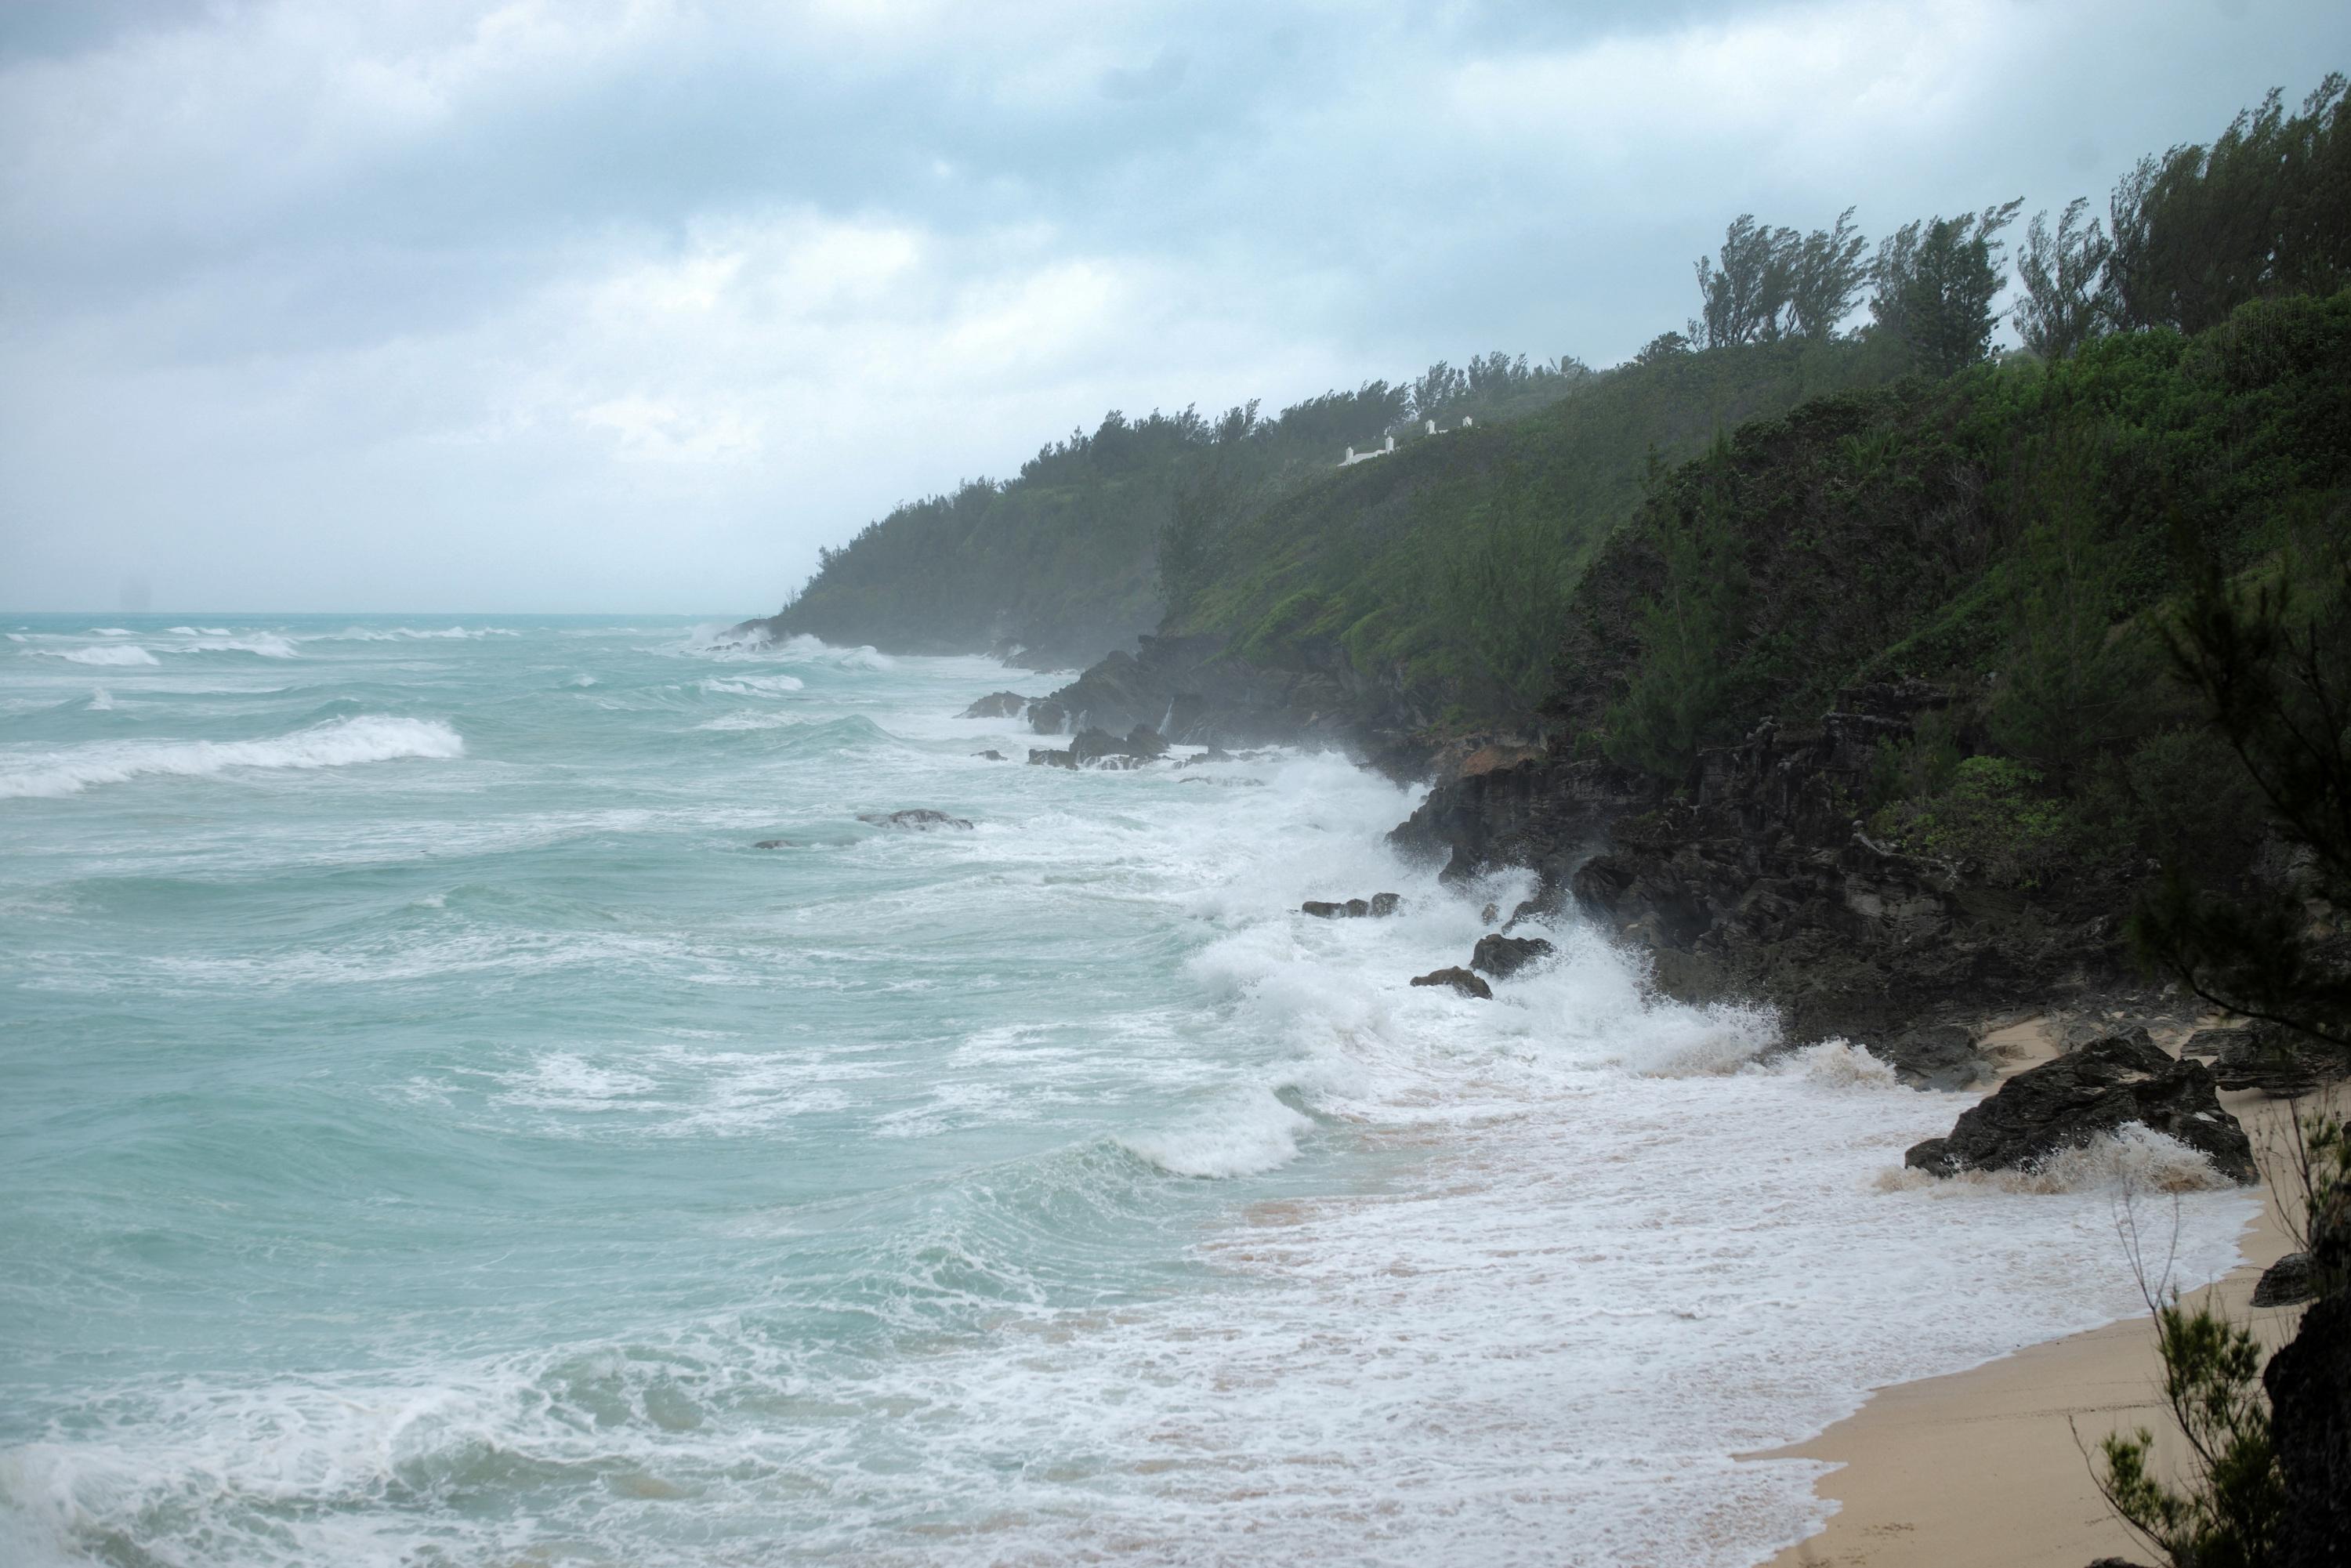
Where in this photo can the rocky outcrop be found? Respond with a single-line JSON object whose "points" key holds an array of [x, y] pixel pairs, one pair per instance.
{"points": [[1934, 1056], [1459, 979], [1502, 956], [2098, 1089], [773, 844], [2266, 1056], [1042, 756], [998, 705], [2309, 1384], [921, 819], [1754, 881], [2288, 1283], [1378, 906], [1193, 692]]}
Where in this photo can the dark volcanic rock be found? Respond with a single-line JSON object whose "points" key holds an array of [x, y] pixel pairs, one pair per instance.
{"points": [[1487, 915], [1461, 979], [1187, 691], [991, 753], [1322, 909], [2288, 1283], [1386, 904], [2064, 1104], [922, 819], [1039, 757], [1749, 880], [2267, 1058], [998, 705], [1359, 907], [1934, 1056], [2309, 1384], [1502, 956]]}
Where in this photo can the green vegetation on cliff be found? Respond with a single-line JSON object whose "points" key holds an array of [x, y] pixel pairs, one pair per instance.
{"points": [[1065, 556]]}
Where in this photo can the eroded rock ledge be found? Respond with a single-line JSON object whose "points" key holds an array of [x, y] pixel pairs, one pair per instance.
{"points": [[1757, 882]]}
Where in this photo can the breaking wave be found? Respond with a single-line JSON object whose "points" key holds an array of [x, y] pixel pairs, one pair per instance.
{"points": [[364, 737]]}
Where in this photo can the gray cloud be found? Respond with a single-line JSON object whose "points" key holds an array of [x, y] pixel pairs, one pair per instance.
{"points": [[437, 305]]}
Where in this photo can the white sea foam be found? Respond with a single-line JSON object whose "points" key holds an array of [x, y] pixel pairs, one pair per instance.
{"points": [[754, 685], [1499, 1281], [104, 653], [410, 635], [1255, 1133], [267, 645], [101, 700], [338, 742]]}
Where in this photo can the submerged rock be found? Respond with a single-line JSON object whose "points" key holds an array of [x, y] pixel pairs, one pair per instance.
{"points": [[1039, 756], [1502, 956], [773, 844], [1487, 915], [998, 705], [1934, 1056], [1359, 907], [920, 818], [991, 753], [1386, 904], [2065, 1103], [1461, 979]]}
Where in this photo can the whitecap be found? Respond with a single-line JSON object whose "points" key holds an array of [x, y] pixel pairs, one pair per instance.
{"points": [[108, 653], [1253, 1136], [267, 645], [338, 742]]}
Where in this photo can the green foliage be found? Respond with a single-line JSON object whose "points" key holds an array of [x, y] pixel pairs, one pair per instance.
{"points": [[2269, 657], [1773, 283], [1936, 281], [1677, 699], [1917, 768], [2225, 1512], [2008, 534], [2066, 689], [1443, 572], [2265, 210], [2060, 273], [1504, 581], [1997, 818]]}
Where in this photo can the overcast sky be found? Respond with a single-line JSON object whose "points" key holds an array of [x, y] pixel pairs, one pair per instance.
{"points": [[385, 305]]}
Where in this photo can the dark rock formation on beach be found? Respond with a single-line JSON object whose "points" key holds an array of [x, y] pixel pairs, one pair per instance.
{"points": [[2063, 1104], [1461, 979], [2309, 1384], [1756, 883], [2264, 1057], [1934, 1056], [920, 818], [1502, 956], [2288, 1283]]}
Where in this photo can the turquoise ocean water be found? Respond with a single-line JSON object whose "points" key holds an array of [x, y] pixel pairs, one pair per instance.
{"points": [[433, 1133]]}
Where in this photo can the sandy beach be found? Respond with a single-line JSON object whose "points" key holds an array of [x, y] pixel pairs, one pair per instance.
{"points": [[1983, 1467]]}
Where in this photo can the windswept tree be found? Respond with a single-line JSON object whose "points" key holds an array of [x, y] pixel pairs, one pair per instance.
{"points": [[1937, 280], [1769, 283], [2061, 272], [1744, 291], [1826, 273], [2264, 209]]}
